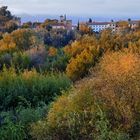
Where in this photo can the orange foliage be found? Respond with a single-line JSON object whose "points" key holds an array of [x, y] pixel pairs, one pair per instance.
{"points": [[121, 64]]}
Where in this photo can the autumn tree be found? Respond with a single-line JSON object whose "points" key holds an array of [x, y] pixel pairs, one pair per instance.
{"points": [[18, 40], [84, 28], [83, 53]]}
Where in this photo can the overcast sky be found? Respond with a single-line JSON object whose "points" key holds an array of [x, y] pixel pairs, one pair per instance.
{"points": [[117, 8]]}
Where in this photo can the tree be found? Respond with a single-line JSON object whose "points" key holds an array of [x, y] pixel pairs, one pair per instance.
{"points": [[78, 25], [83, 55], [84, 28], [90, 20], [129, 19], [5, 14], [8, 22], [27, 25], [19, 40]]}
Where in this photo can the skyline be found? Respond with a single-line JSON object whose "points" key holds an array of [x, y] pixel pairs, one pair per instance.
{"points": [[111, 8]]}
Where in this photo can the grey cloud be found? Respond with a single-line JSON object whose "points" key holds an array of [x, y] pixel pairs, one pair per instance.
{"points": [[75, 7]]}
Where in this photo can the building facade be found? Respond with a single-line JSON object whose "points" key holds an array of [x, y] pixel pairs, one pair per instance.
{"points": [[100, 26], [114, 26], [63, 23]]}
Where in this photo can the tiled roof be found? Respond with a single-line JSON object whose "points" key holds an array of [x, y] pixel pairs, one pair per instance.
{"points": [[98, 23], [135, 21], [58, 24]]}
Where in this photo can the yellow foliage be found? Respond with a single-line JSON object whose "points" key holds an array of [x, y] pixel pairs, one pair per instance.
{"points": [[21, 39], [52, 51], [78, 66], [72, 116], [7, 43], [29, 74], [84, 28], [83, 53], [121, 64], [115, 90], [123, 24], [79, 45], [118, 86]]}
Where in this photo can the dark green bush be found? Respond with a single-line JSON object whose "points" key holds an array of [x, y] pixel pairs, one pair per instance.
{"points": [[29, 88], [10, 129], [15, 125]]}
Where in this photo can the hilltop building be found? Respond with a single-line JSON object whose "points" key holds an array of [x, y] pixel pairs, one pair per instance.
{"points": [[63, 23], [100, 26]]}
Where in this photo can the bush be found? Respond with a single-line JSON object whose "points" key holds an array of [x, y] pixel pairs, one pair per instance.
{"points": [[76, 117], [120, 87], [16, 124], [58, 62], [29, 88], [102, 107], [10, 129]]}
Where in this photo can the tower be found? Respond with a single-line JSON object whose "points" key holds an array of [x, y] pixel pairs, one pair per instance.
{"points": [[65, 17], [61, 18]]}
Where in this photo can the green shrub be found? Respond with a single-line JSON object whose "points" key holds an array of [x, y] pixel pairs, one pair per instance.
{"points": [[30, 115], [15, 125], [29, 88], [10, 129]]}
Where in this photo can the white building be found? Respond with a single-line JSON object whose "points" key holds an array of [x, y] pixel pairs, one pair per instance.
{"points": [[99, 26], [58, 26]]}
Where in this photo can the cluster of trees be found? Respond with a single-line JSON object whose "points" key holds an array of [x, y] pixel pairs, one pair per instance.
{"points": [[59, 38], [88, 50]]}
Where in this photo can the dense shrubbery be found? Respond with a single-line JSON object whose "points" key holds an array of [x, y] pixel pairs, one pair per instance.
{"points": [[88, 50], [26, 95], [102, 107], [29, 88], [15, 125]]}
